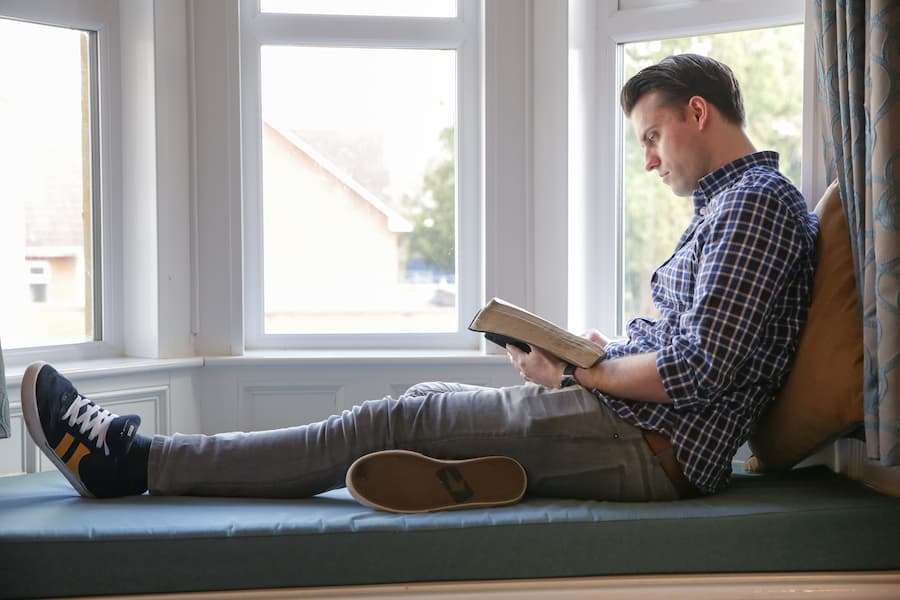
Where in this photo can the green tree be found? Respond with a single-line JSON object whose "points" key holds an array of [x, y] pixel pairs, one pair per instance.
{"points": [[433, 212], [769, 65]]}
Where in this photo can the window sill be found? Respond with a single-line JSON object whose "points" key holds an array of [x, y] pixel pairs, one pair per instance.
{"points": [[264, 358], [108, 367], [357, 357]]}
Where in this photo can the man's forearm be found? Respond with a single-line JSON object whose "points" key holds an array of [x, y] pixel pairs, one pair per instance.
{"points": [[633, 377]]}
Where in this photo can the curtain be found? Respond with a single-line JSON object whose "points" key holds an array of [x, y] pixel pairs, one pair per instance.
{"points": [[858, 63]]}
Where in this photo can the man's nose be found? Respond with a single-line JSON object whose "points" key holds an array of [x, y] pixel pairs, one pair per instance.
{"points": [[651, 161]]}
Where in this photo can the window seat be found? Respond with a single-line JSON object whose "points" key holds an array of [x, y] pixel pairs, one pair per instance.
{"points": [[53, 543]]}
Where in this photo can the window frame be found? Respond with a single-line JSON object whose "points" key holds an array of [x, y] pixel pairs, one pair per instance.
{"points": [[462, 34], [100, 19]]}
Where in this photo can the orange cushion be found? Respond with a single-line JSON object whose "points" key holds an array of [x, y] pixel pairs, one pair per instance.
{"points": [[823, 396]]}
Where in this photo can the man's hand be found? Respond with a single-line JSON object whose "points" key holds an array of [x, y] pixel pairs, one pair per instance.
{"points": [[537, 366], [632, 377], [542, 367], [596, 336]]}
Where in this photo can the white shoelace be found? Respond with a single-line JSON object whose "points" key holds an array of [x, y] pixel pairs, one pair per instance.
{"points": [[94, 420]]}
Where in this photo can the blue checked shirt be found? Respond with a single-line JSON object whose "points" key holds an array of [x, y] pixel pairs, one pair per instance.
{"points": [[731, 300]]}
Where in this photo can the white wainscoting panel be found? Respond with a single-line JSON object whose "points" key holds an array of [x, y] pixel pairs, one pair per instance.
{"points": [[274, 406], [14, 449], [269, 392]]}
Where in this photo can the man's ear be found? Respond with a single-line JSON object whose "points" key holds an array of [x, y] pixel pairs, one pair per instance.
{"points": [[698, 111]]}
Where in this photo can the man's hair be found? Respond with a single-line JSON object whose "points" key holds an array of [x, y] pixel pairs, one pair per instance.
{"points": [[678, 78]]}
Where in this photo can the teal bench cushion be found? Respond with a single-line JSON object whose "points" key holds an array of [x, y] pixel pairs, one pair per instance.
{"points": [[53, 543]]}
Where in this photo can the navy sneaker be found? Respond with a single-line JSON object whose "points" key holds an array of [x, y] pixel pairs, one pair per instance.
{"points": [[87, 443]]}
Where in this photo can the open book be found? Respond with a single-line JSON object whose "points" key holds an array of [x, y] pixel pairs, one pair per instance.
{"points": [[505, 323]]}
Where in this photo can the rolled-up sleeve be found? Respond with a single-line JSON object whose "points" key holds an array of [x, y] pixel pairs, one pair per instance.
{"points": [[749, 248]]}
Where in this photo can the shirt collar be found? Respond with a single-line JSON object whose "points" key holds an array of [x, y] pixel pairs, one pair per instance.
{"points": [[725, 176]]}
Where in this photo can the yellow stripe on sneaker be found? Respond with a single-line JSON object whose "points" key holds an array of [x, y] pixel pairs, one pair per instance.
{"points": [[64, 445], [80, 453]]}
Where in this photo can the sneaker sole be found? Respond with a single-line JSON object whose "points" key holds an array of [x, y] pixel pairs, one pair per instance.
{"points": [[401, 481], [33, 424]]}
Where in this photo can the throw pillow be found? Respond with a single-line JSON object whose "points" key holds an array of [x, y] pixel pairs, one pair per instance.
{"points": [[822, 397]]}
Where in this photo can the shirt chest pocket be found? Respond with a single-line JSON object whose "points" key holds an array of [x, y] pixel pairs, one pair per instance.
{"points": [[673, 283]]}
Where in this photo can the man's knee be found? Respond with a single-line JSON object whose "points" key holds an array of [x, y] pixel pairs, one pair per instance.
{"points": [[425, 388], [437, 387]]}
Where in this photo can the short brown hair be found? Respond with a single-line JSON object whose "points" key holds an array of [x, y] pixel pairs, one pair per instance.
{"points": [[677, 78]]}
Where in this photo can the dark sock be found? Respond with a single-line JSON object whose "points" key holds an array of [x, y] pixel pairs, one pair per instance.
{"points": [[134, 467]]}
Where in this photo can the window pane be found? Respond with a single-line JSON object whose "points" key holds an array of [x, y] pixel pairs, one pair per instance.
{"points": [[359, 200], [376, 8], [45, 149], [768, 64]]}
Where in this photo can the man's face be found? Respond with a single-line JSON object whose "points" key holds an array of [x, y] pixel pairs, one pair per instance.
{"points": [[670, 138]]}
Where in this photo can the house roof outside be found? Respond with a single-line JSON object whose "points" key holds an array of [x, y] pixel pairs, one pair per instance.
{"points": [[397, 223], [55, 227]]}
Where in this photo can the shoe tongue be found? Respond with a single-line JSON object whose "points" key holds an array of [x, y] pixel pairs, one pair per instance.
{"points": [[121, 432]]}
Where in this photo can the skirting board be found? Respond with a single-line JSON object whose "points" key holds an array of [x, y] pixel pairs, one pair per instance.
{"points": [[878, 585]]}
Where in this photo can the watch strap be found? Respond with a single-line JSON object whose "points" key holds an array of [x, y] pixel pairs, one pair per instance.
{"points": [[568, 376]]}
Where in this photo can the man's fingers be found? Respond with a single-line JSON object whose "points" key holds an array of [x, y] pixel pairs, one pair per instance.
{"points": [[596, 336], [514, 352]]}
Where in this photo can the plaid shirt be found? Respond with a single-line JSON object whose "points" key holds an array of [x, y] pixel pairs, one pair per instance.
{"points": [[731, 299]]}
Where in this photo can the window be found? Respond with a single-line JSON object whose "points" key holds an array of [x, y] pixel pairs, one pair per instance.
{"points": [[357, 202], [769, 63], [50, 188]]}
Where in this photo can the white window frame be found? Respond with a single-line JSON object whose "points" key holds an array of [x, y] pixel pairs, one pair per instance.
{"points": [[462, 34], [102, 18], [600, 197]]}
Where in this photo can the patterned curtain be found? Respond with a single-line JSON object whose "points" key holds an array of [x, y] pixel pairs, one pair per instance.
{"points": [[858, 61]]}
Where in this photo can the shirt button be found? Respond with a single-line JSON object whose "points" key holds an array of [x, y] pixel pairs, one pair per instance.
{"points": [[702, 211], [615, 436]]}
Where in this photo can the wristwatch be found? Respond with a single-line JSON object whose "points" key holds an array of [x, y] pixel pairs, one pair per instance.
{"points": [[568, 376]]}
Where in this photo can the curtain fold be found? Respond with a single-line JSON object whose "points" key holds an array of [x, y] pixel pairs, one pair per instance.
{"points": [[858, 62]]}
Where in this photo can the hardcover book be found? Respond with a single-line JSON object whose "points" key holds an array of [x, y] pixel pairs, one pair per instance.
{"points": [[505, 323]]}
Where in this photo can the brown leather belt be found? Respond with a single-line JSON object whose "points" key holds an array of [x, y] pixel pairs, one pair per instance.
{"points": [[661, 447]]}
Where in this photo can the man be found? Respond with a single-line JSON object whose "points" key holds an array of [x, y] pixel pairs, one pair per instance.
{"points": [[660, 419]]}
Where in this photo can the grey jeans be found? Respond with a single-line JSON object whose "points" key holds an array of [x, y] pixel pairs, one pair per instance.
{"points": [[569, 443]]}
